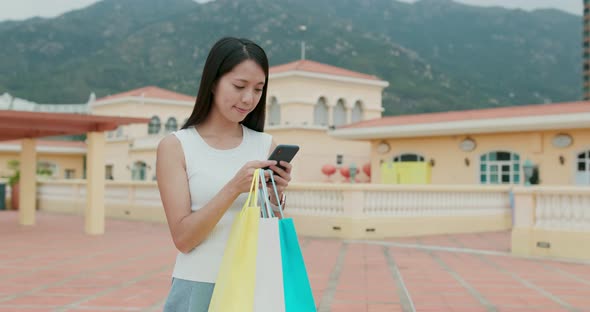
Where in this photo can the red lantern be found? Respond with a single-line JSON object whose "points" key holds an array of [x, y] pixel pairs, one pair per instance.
{"points": [[328, 169], [345, 171], [367, 169]]}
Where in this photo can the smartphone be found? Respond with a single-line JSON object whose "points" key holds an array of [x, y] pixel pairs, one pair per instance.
{"points": [[283, 152]]}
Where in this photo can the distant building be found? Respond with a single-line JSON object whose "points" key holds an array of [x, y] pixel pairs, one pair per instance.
{"points": [[8, 102], [305, 100]]}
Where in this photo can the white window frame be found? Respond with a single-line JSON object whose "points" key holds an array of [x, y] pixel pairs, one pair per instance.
{"points": [[515, 159]]}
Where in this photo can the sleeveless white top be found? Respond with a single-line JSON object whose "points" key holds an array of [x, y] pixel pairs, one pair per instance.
{"points": [[208, 170]]}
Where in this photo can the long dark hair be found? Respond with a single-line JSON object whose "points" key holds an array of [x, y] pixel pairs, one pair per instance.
{"points": [[223, 57]]}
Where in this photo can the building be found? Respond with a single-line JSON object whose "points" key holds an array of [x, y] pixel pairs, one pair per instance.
{"points": [[131, 150], [486, 146], [305, 100]]}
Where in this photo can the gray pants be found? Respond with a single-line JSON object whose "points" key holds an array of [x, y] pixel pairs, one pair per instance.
{"points": [[188, 296]]}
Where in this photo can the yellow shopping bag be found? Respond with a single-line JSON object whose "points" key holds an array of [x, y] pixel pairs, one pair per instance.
{"points": [[236, 280]]}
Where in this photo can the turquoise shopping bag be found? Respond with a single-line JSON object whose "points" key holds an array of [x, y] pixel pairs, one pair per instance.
{"points": [[298, 294], [297, 291]]}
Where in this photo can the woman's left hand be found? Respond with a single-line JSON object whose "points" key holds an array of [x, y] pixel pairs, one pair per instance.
{"points": [[282, 179]]}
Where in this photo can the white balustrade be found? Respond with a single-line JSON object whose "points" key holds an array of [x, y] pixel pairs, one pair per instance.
{"points": [[561, 208], [423, 202], [315, 201], [398, 200], [61, 190]]}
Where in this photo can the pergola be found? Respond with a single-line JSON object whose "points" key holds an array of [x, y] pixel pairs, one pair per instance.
{"points": [[28, 126]]}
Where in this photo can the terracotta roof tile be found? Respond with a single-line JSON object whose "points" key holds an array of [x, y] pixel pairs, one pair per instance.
{"points": [[490, 113], [315, 67], [151, 92]]}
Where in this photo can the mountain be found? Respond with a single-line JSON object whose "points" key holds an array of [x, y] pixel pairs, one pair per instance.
{"points": [[438, 55]]}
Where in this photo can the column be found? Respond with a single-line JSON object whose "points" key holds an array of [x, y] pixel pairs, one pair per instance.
{"points": [[28, 182], [95, 181]]}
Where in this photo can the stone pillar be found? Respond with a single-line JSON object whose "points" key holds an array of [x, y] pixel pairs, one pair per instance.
{"points": [[95, 181], [28, 182]]}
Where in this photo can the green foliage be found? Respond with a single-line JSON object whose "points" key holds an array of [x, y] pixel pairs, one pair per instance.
{"points": [[14, 165], [15, 177], [437, 55]]}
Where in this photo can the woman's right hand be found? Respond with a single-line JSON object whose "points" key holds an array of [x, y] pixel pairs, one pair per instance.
{"points": [[242, 181]]}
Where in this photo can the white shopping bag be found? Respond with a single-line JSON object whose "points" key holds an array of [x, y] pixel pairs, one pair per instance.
{"points": [[268, 293]]}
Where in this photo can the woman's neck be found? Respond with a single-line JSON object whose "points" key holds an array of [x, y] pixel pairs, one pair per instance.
{"points": [[219, 127]]}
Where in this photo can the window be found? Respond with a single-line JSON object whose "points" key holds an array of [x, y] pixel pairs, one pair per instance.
{"points": [[357, 112], [70, 174], [339, 159], [274, 112], [119, 131], [339, 113], [154, 125], [138, 173], [408, 157], [171, 125], [320, 113], [499, 168], [108, 172], [583, 168]]}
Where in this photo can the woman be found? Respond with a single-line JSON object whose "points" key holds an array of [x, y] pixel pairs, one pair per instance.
{"points": [[205, 169]]}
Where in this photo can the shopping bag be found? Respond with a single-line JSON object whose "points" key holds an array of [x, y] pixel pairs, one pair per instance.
{"points": [[235, 283], [268, 294], [298, 294]]}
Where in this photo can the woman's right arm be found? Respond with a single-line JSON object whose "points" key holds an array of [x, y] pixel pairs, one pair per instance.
{"points": [[190, 228]]}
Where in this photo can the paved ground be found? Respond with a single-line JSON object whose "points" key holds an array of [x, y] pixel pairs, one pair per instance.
{"points": [[53, 266]]}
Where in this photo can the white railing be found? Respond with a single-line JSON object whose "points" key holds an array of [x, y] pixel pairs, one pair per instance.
{"points": [[318, 201], [562, 208], [371, 200], [360, 200], [147, 142], [127, 192]]}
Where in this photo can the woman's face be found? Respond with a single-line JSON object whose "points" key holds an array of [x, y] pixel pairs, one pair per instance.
{"points": [[237, 93]]}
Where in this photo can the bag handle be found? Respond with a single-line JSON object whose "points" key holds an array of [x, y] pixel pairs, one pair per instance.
{"points": [[254, 189], [262, 204], [274, 187], [266, 208]]}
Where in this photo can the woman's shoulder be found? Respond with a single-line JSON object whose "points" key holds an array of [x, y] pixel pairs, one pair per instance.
{"points": [[169, 142]]}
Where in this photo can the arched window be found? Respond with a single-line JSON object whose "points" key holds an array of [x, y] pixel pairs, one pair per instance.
{"points": [[320, 112], [171, 125], [499, 167], [138, 172], [583, 168], [339, 113], [357, 112], [408, 157], [154, 125], [274, 112]]}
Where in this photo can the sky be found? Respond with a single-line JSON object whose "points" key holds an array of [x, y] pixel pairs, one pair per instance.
{"points": [[23, 9]]}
